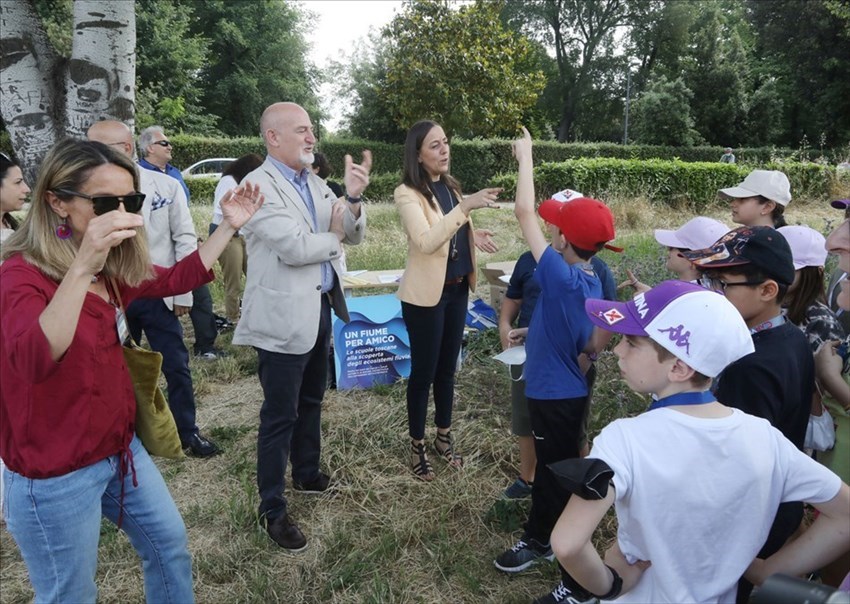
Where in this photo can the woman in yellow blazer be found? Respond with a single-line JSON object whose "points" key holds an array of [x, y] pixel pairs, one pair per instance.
{"points": [[435, 287]]}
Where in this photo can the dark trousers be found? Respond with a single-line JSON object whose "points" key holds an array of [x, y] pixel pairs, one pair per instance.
{"points": [[436, 334], [203, 320], [165, 335], [290, 418], [556, 426]]}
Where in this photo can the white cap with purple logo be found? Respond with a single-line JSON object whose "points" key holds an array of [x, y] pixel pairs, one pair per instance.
{"points": [[698, 326]]}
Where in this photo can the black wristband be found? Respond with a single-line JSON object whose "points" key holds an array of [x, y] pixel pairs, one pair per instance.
{"points": [[353, 199], [616, 586]]}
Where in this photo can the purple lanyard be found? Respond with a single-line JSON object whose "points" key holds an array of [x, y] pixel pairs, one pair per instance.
{"points": [[684, 398]]}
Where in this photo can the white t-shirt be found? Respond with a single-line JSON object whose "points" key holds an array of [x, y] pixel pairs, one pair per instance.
{"points": [[697, 497], [224, 185]]}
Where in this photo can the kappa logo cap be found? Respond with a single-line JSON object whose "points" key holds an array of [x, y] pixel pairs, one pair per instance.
{"points": [[698, 326]]}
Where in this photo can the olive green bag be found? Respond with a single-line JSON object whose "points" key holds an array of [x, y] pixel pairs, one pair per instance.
{"points": [[155, 424]]}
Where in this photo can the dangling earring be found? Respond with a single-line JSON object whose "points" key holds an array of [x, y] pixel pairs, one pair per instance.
{"points": [[63, 231]]}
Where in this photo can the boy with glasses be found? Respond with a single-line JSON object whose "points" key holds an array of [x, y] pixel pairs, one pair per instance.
{"points": [[753, 267]]}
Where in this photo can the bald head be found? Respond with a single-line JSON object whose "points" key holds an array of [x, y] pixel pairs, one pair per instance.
{"points": [[288, 133], [113, 133]]}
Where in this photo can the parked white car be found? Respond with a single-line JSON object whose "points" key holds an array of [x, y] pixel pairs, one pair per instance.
{"points": [[207, 168]]}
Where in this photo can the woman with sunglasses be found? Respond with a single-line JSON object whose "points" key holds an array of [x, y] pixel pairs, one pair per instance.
{"points": [[67, 407]]}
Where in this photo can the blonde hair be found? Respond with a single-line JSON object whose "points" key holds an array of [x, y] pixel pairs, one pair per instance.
{"points": [[68, 165]]}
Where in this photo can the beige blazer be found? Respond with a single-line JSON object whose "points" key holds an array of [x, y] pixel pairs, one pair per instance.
{"points": [[282, 300], [429, 233]]}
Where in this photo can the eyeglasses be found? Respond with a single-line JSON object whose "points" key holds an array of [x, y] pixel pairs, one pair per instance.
{"points": [[6, 157], [719, 285], [162, 143], [107, 203]]}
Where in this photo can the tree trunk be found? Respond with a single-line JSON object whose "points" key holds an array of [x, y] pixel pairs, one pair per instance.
{"points": [[101, 75], [30, 99]]}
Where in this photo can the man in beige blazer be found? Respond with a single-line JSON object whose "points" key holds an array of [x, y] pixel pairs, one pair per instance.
{"points": [[294, 244]]}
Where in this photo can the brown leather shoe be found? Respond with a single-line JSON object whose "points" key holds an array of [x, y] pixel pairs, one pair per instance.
{"points": [[286, 534]]}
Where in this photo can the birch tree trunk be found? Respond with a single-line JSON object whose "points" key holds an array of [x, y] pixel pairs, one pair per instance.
{"points": [[30, 99], [43, 97], [101, 75]]}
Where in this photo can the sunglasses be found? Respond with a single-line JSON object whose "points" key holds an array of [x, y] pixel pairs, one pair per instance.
{"points": [[162, 143], [106, 203]]}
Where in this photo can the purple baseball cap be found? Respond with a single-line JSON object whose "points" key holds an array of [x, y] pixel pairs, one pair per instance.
{"points": [[698, 326]]}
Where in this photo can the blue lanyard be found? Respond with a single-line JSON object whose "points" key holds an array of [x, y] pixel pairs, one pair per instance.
{"points": [[684, 398]]}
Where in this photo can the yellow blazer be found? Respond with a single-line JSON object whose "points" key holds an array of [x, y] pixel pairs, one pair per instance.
{"points": [[429, 234]]}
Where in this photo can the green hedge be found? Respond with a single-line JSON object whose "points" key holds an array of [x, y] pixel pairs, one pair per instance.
{"points": [[474, 162], [202, 190], [670, 182]]}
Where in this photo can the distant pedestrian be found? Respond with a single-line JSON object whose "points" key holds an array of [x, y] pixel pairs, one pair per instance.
{"points": [[728, 157]]}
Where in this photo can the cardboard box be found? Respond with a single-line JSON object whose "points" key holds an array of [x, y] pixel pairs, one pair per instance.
{"points": [[492, 272]]}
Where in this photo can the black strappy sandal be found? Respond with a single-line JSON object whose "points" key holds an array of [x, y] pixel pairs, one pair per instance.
{"points": [[419, 462], [447, 450]]}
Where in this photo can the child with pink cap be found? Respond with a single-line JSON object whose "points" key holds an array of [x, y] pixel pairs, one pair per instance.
{"points": [[696, 234]]}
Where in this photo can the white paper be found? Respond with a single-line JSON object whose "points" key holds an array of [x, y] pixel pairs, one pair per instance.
{"points": [[388, 278], [515, 355], [505, 279], [354, 273]]}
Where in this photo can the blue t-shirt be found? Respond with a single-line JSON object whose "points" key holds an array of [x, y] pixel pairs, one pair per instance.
{"points": [[559, 329], [524, 287]]}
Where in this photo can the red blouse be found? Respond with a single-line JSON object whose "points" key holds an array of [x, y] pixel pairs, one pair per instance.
{"points": [[56, 417]]}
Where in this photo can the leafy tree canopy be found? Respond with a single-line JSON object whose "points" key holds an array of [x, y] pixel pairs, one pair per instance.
{"points": [[458, 67]]}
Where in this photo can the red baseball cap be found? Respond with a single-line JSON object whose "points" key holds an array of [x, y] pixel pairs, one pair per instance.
{"points": [[585, 222]]}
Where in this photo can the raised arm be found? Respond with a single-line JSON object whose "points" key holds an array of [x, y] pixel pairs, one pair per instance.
{"points": [[524, 205]]}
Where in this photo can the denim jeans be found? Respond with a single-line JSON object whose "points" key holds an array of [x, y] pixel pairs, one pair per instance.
{"points": [[56, 524]]}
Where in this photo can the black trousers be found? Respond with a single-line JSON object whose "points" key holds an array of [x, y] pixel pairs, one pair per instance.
{"points": [[556, 427], [203, 320], [290, 418], [436, 334]]}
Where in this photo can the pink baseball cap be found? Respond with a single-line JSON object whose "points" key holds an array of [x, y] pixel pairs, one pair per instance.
{"points": [[696, 234], [674, 314], [808, 247]]}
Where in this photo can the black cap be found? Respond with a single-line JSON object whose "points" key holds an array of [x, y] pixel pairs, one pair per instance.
{"points": [[762, 246]]}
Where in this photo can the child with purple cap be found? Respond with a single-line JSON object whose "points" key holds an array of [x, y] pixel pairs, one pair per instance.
{"points": [[694, 483]]}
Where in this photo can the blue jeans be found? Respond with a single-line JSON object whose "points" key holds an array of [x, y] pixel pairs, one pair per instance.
{"points": [[56, 524]]}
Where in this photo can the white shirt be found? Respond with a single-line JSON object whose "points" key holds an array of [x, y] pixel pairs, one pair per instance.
{"points": [[168, 224], [224, 185], [697, 497]]}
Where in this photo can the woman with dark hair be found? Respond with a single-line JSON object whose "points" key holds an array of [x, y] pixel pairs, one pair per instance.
{"points": [[234, 259], [67, 408], [13, 194], [439, 275]]}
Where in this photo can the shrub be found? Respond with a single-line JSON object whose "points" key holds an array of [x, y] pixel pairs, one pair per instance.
{"points": [[669, 182], [201, 190]]}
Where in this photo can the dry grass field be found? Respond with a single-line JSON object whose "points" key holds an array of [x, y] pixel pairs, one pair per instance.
{"points": [[380, 535]]}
